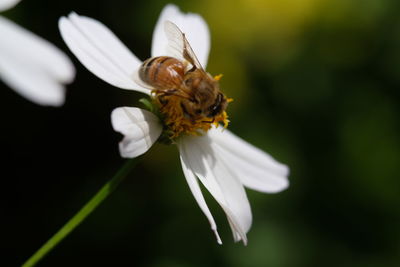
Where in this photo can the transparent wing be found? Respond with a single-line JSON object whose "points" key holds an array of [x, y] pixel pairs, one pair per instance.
{"points": [[178, 45]]}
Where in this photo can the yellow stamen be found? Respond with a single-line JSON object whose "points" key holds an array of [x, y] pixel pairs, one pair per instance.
{"points": [[218, 77], [176, 122]]}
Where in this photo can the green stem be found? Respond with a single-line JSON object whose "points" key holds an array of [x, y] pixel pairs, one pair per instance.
{"points": [[79, 217]]}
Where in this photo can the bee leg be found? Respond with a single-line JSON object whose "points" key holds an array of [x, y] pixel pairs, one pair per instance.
{"points": [[173, 92], [163, 101], [209, 121], [167, 92]]}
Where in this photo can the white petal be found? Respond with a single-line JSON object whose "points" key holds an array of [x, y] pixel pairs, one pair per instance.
{"points": [[100, 51], [255, 168], [198, 155], [192, 25], [7, 4], [140, 128], [30, 81], [198, 195], [32, 66]]}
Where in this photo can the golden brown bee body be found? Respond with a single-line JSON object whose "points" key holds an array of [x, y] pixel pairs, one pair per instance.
{"points": [[183, 80], [162, 72], [198, 90]]}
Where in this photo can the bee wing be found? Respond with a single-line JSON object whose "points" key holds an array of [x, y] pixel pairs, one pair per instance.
{"points": [[179, 46]]}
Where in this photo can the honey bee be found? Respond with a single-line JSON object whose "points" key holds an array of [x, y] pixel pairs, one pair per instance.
{"points": [[183, 76]]}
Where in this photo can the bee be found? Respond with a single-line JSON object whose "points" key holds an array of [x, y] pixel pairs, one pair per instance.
{"points": [[183, 77]]}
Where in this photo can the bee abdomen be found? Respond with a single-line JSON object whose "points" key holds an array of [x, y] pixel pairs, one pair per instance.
{"points": [[162, 72]]}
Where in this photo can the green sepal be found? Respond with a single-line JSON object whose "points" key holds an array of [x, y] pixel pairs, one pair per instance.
{"points": [[148, 104]]}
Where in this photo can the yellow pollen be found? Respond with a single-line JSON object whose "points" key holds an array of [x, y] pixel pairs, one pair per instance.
{"points": [[218, 77], [177, 122]]}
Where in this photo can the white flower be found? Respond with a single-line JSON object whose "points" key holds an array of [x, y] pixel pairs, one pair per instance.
{"points": [[33, 67], [223, 162]]}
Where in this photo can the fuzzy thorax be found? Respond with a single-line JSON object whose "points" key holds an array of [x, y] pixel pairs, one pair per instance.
{"points": [[176, 122]]}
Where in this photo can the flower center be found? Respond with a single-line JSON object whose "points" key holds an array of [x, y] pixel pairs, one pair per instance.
{"points": [[191, 109], [178, 120]]}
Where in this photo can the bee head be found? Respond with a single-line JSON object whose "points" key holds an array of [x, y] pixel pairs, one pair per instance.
{"points": [[207, 100], [218, 106], [196, 110]]}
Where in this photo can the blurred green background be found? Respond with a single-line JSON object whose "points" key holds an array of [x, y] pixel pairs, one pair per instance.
{"points": [[316, 84]]}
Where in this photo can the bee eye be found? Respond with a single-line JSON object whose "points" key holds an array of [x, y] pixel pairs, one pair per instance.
{"points": [[217, 107], [198, 111]]}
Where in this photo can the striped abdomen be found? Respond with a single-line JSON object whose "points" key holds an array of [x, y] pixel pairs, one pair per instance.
{"points": [[162, 72]]}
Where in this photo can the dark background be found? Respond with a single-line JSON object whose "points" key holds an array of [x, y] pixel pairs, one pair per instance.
{"points": [[316, 84]]}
